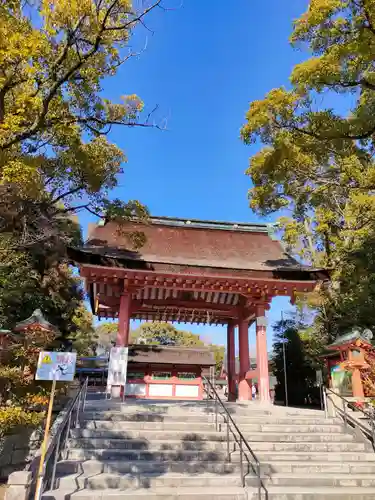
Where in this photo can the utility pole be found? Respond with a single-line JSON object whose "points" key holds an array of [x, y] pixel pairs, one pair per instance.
{"points": [[284, 359]]}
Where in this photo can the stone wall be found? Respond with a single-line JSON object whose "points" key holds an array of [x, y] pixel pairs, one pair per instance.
{"points": [[19, 448]]}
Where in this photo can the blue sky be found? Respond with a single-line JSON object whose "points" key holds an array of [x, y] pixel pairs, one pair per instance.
{"points": [[202, 66]]}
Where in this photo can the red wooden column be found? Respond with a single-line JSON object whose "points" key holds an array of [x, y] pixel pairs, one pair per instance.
{"points": [[231, 362], [262, 355], [124, 320], [244, 392]]}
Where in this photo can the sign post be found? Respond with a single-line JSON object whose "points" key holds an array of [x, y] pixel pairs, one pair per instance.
{"points": [[54, 366]]}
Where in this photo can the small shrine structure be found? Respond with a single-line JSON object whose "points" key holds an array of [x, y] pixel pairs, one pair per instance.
{"points": [[35, 322], [345, 359], [167, 372], [193, 271]]}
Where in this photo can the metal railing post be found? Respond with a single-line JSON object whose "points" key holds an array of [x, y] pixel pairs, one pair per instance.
{"points": [[345, 416], [85, 394], [228, 446], [259, 481], [241, 464], [325, 403], [55, 458], [240, 441], [78, 407], [216, 416], [67, 432]]}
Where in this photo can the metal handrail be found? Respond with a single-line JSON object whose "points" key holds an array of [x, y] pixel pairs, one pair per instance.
{"points": [[344, 413], [241, 441], [58, 441]]}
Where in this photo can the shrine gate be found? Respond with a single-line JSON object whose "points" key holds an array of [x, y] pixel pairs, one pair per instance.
{"points": [[196, 272]]}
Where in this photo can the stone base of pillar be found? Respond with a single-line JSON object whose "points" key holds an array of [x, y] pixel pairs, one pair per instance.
{"points": [[244, 391], [116, 391], [264, 393]]}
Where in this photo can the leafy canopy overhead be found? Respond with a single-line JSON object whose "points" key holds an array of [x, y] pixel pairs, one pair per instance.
{"points": [[54, 118], [316, 161], [165, 334]]}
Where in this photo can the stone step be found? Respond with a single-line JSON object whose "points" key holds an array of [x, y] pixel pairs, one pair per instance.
{"points": [[290, 428], [207, 435], [67, 467], [223, 493], [195, 417], [210, 435], [181, 426], [247, 408], [193, 493], [316, 493], [153, 479], [186, 444], [147, 454], [150, 480], [276, 420], [315, 456], [146, 417], [152, 454], [121, 425], [270, 468], [309, 467], [320, 480]]}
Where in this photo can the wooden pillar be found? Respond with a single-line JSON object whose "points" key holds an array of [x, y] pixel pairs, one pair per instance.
{"points": [[231, 362], [124, 320], [262, 355], [244, 392]]}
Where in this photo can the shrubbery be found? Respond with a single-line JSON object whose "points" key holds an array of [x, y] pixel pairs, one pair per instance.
{"points": [[14, 417]]}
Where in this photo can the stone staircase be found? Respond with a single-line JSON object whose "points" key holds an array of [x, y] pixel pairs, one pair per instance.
{"points": [[165, 451]]}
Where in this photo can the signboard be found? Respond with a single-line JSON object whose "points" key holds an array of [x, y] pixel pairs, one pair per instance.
{"points": [[59, 366], [54, 366], [117, 368]]}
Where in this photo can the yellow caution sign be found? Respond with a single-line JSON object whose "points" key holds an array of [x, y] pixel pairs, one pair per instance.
{"points": [[47, 360]]}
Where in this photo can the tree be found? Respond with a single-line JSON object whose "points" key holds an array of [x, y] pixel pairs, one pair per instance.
{"points": [[84, 337], [301, 362], [314, 162], [26, 284], [106, 334], [54, 120], [219, 353], [159, 333]]}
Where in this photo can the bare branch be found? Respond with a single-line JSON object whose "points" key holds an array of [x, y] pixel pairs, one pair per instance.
{"points": [[370, 25], [67, 193], [359, 83]]}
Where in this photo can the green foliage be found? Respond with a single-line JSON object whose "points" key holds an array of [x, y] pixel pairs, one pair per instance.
{"points": [[160, 333], [84, 337], [106, 334], [319, 163], [301, 353], [54, 120], [24, 287], [219, 353], [14, 417]]}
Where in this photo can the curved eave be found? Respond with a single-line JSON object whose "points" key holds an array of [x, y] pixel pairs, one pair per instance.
{"points": [[87, 257]]}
